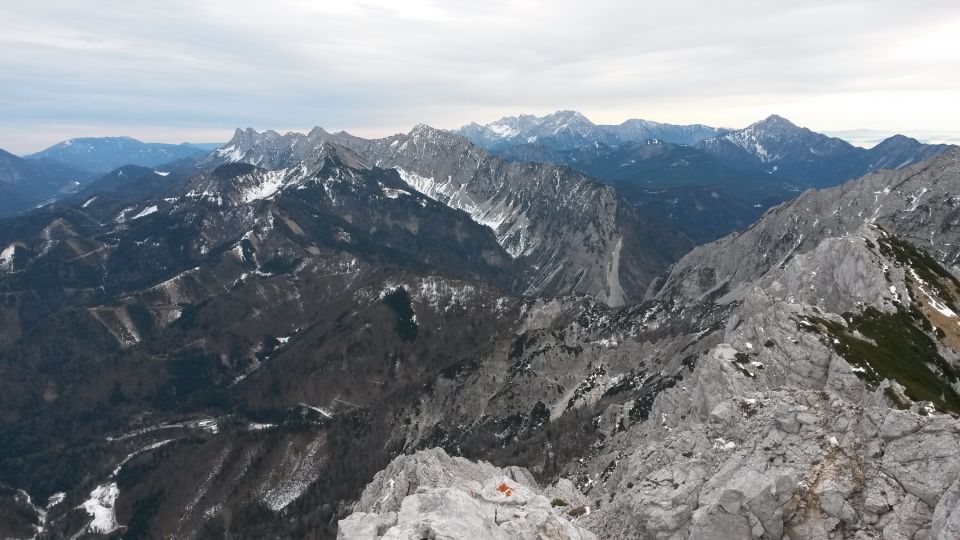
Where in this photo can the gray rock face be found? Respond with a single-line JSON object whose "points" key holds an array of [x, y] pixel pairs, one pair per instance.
{"points": [[918, 203], [431, 495], [779, 433]]}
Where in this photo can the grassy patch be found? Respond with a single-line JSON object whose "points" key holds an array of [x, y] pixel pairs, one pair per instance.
{"points": [[926, 267], [894, 348]]}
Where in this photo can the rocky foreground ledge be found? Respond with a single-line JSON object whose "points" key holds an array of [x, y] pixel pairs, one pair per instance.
{"points": [[788, 465], [432, 495]]}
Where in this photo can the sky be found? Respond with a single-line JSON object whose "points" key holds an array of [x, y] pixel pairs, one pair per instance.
{"points": [[182, 70]]}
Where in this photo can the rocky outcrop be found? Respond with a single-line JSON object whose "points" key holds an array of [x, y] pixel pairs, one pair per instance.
{"points": [[918, 203], [794, 426], [798, 463], [432, 495]]}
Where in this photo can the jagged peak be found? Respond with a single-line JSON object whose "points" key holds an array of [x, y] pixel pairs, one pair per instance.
{"points": [[774, 120], [569, 114], [898, 139], [422, 132], [421, 128], [330, 153], [317, 132], [248, 134]]}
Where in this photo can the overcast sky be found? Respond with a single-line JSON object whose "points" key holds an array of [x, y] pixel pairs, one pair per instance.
{"points": [[181, 70]]}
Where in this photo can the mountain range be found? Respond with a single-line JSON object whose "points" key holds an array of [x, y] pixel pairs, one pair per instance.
{"points": [[320, 335], [25, 184], [567, 130], [567, 232], [65, 168], [667, 169], [104, 154]]}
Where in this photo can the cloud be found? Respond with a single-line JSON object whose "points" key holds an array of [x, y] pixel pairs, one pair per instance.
{"points": [[180, 69]]}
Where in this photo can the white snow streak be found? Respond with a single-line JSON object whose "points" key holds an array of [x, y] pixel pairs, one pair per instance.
{"points": [[146, 212], [100, 505]]}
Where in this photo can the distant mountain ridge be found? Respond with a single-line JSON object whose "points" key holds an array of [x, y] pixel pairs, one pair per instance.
{"points": [[565, 130], [810, 159], [705, 181], [25, 183], [103, 154], [571, 233]]}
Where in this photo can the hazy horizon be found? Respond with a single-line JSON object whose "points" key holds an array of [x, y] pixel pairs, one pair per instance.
{"points": [[865, 138], [186, 71]]}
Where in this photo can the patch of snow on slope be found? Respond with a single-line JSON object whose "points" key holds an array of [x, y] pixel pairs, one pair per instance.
{"points": [[206, 424], [272, 182], [161, 173], [442, 295], [100, 506], [392, 193], [122, 216], [293, 475], [509, 224], [6, 257], [86, 204], [132, 455], [146, 212], [503, 130], [933, 302], [55, 499], [427, 186], [915, 199], [232, 153]]}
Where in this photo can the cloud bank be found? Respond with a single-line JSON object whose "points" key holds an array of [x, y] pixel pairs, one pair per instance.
{"points": [[182, 70]]}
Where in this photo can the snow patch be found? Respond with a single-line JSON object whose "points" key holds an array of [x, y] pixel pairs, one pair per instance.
{"points": [[230, 153], [503, 130], [508, 223], [272, 182], [933, 302], [146, 212], [6, 257], [100, 506], [55, 499], [392, 193], [149, 447], [293, 475]]}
